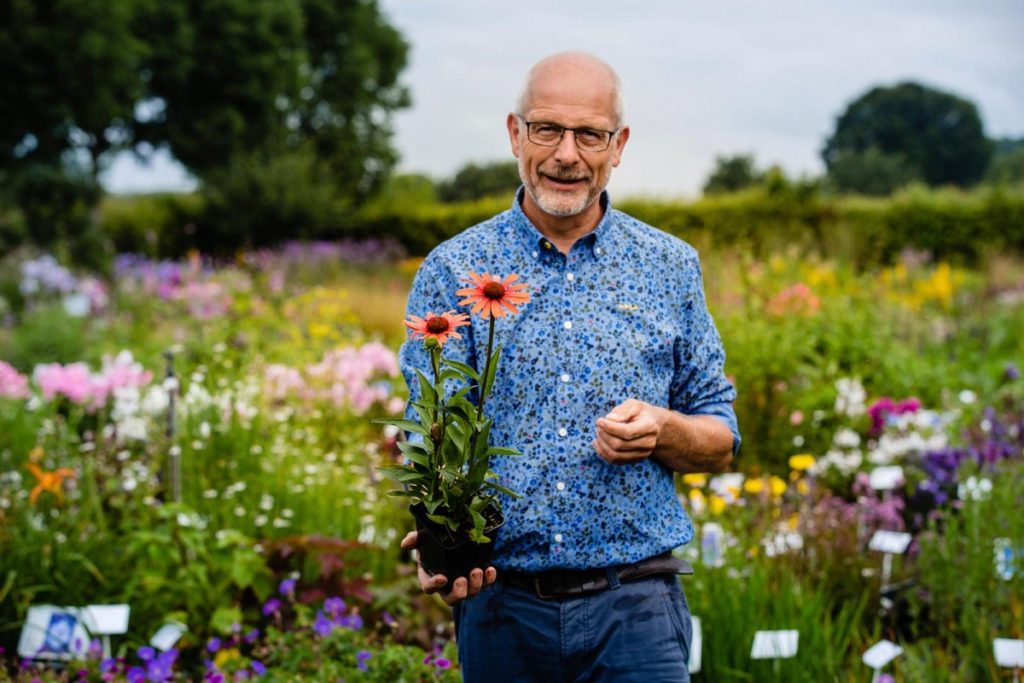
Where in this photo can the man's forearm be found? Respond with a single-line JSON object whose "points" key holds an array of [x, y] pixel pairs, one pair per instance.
{"points": [[693, 443]]}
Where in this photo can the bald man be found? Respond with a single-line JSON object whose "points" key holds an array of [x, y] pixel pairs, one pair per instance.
{"points": [[611, 381]]}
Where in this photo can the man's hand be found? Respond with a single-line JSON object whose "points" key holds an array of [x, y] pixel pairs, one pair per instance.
{"points": [[461, 589], [630, 432]]}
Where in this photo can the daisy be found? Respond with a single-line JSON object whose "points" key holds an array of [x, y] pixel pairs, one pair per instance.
{"points": [[489, 295], [438, 327]]}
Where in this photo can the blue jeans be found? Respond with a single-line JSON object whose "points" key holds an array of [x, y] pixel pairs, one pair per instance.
{"points": [[639, 631]]}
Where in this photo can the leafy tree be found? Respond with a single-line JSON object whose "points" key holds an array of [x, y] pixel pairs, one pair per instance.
{"points": [[475, 181], [939, 134], [732, 173], [1007, 164], [871, 172]]}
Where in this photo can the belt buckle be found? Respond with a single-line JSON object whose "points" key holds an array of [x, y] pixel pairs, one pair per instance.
{"points": [[537, 589]]}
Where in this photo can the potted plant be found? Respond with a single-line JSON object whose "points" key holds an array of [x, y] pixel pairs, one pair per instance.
{"points": [[446, 470]]}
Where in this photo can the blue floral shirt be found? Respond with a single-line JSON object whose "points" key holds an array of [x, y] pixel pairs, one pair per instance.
{"points": [[622, 316]]}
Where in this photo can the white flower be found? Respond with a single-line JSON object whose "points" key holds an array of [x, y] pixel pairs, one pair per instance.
{"points": [[846, 438], [850, 397], [975, 488], [967, 396]]}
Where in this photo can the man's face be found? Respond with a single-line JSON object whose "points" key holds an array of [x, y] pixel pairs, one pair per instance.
{"points": [[562, 180]]}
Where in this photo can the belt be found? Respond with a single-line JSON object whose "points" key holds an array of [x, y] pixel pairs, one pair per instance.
{"points": [[562, 583]]}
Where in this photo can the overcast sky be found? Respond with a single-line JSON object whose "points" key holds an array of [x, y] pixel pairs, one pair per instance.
{"points": [[701, 78]]}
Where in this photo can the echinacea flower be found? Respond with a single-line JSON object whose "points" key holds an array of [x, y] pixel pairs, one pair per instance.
{"points": [[489, 295], [48, 481], [438, 327]]}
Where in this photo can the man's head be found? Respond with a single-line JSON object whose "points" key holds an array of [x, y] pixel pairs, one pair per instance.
{"points": [[565, 176]]}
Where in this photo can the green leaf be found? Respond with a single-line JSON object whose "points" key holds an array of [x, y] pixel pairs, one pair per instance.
{"points": [[492, 371], [410, 426], [466, 370], [429, 395], [501, 489], [224, 618]]}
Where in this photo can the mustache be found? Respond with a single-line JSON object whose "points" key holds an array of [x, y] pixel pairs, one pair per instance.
{"points": [[563, 173]]}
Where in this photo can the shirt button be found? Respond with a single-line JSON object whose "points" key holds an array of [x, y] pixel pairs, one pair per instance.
{"points": [[560, 486], [547, 245], [570, 277], [558, 538], [565, 377], [598, 251], [562, 431], [536, 254], [567, 324]]}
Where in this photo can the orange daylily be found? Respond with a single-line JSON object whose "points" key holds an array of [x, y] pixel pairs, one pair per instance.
{"points": [[48, 481], [487, 294]]}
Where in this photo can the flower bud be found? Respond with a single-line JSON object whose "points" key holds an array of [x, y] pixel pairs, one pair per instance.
{"points": [[435, 432]]}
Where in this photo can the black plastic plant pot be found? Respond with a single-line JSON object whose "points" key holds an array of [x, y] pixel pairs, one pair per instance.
{"points": [[440, 553]]}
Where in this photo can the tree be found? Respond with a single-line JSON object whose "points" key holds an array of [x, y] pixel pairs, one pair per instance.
{"points": [[731, 174], [1007, 164], [871, 172], [939, 135], [474, 181]]}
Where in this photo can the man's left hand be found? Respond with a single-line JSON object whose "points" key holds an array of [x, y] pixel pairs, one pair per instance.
{"points": [[630, 432]]}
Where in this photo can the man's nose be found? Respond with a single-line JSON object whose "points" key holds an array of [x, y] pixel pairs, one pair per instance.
{"points": [[566, 152]]}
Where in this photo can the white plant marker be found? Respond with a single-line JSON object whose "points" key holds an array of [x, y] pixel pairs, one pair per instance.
{"points": [[696, 643], [775, 645], [890, 543], [106, 621], [1009, 654], [880, 654], [168, 634], [53, 633]]}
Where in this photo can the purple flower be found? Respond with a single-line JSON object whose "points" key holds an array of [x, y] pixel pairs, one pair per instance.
{"points": [[271, 606], [215, 677], [146, 653], [353, 622], [442, 663], [95, 649], [258, 668], [108, 664], [388, 619], [886, 678], [361, 658], [322, 626], [136, 674], [334, 607], [213, 644], [252, 635], [1011, 373], [242, 675], [287, 587], [160, 669]]}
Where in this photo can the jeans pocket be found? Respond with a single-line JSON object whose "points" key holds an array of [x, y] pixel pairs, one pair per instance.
{"points": [[678, 612]]}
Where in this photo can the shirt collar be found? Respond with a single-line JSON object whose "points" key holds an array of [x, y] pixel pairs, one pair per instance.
{"points": [[599, 240]]}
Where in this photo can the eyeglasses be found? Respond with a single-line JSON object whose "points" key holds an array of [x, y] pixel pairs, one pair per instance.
{"points": [[587, 139]]}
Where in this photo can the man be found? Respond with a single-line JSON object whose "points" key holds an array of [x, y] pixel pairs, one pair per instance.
{"points": [[611, 380]]}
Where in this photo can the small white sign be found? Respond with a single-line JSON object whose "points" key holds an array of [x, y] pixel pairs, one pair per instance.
{"points": [[894, 542], [886, 478], [169, 634], [52, 632], [696, 643], [774, 644], [881, 653], [106, 620], [1009, 652]]}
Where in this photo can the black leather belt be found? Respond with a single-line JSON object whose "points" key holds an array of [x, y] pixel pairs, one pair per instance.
{"points": [[562, 583]]}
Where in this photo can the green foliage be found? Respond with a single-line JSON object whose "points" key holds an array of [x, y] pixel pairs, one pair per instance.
{"points": [[476, 181], [939, 135], [732, 173], [871, 172], [1007, 166], [156, 225], [47, 335]]}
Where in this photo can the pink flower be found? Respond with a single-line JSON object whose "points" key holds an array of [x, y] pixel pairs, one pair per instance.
{"points": [[13, 384], [73, 381], [797, 299]]}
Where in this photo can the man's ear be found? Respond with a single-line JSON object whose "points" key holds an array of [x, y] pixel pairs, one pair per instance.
{"points": [[512, 122], [620, 144]]}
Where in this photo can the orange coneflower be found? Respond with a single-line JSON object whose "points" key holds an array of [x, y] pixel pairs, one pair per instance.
{"points": [[439, 327], [490, 295], [48, 481]]}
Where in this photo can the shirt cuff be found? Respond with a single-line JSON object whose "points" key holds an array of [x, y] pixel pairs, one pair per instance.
{"points": [[725, 413]]}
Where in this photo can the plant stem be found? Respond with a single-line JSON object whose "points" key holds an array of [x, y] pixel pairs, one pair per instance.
{"points": [[487, 370], [435, 361]]}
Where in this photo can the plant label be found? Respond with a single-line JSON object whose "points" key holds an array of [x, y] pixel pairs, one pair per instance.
{"points": [[774, 644], [106, 620], [712, 540], [893, 542], [54, 633], [168, 634], [1009, 652], [886, 478], [1006, 558], [881, 653], [695, 645]]}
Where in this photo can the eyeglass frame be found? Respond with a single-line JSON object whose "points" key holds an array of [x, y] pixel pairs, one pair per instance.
{"points": [[575, 138]]}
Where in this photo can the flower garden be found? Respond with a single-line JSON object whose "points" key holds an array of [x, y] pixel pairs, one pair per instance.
{"points": [[196, 440]]}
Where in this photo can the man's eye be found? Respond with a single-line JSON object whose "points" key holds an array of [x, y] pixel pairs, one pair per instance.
{"points": [[589, 135], [547, 129]]}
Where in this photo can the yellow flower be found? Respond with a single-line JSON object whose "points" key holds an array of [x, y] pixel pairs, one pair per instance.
{"points": [[225, 656], [794, 521], [801, 462], [753, 486], [319, 330], [802, 487], [777, 485], [696, 496], [697, 480], [717, 505]]}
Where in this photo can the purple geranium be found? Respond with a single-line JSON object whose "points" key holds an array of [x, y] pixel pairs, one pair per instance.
{"points": [[271, 606], [322, 626]]}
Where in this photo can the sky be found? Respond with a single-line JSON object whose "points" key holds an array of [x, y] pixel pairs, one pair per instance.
{"points": [[701, 79]]}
